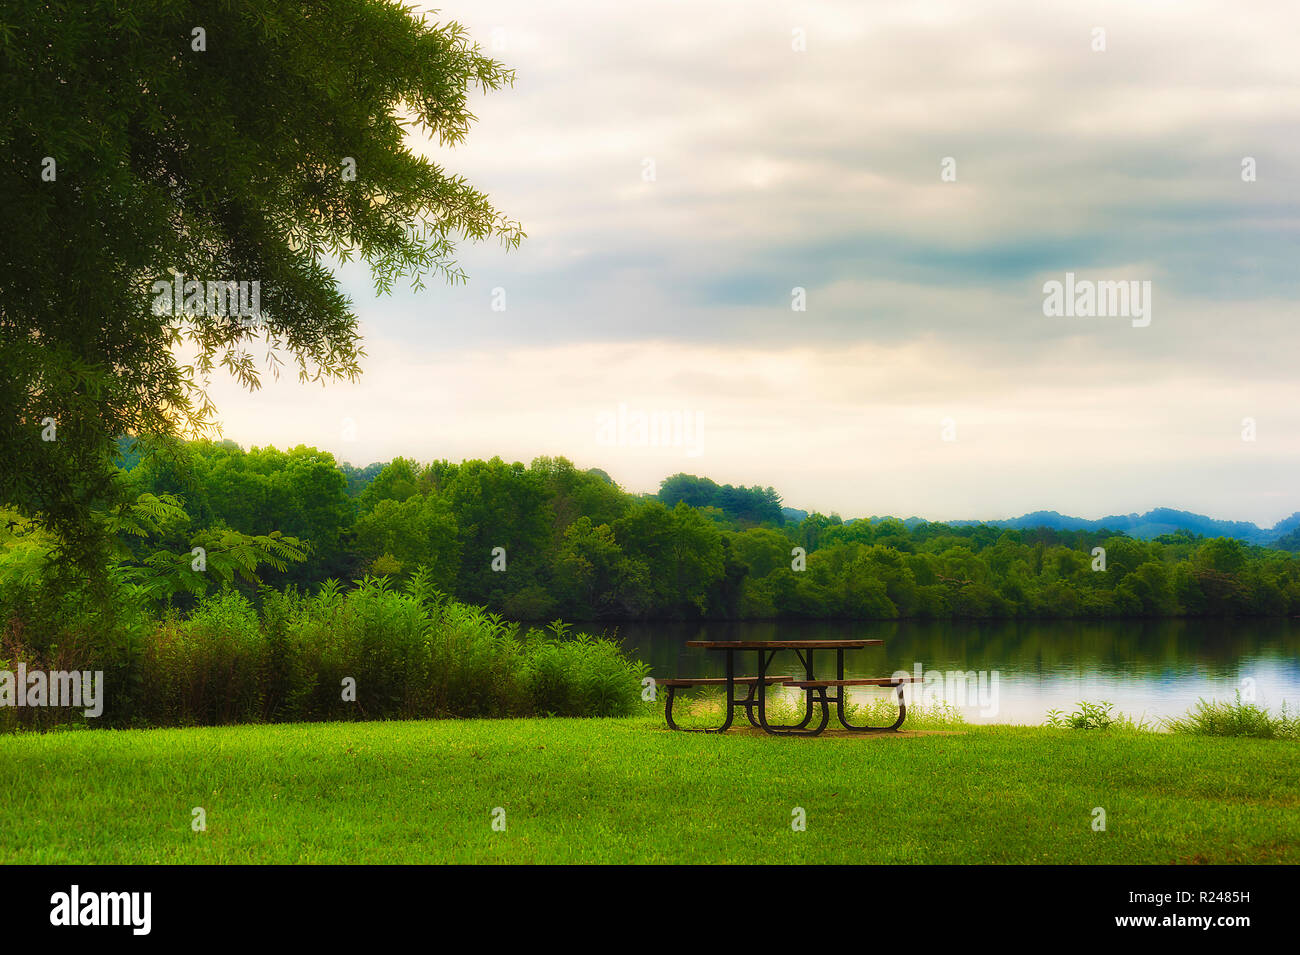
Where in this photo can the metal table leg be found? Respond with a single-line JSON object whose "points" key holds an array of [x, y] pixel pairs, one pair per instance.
{"points": [[798, 728], [902, 715], [731, 704]]}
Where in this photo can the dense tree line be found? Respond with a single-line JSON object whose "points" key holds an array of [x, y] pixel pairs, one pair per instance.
{"points": [[549, 539]]}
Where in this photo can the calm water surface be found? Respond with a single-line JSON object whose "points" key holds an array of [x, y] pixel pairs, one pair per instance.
{"points": [[1146, 668]]}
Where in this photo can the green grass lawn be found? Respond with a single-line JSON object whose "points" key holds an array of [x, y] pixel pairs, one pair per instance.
{"points": [[627, 790]]}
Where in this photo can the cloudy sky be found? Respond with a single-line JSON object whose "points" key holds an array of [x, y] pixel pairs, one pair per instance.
{"points": [[682, 167]]}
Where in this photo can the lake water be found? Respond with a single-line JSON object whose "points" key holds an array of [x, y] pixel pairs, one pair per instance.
{"points": [[1149, 669]]}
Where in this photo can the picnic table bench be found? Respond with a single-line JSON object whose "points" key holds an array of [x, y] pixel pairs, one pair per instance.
{"points": [[816, 692]]}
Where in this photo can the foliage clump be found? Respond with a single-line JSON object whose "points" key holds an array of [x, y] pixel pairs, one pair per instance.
{"points": [[1236, 718]]}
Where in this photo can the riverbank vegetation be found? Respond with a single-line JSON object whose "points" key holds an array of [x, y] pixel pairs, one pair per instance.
{"points": [[1236, 718], [369, 653]]}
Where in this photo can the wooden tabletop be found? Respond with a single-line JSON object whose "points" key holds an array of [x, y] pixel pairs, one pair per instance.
{"points": [[784, 644]]}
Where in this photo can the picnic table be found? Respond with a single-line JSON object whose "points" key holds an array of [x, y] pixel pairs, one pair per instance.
{"points": [[817, 692]]}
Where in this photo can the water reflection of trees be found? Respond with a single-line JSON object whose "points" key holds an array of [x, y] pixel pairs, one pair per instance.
{"points": [[1137, 646]]}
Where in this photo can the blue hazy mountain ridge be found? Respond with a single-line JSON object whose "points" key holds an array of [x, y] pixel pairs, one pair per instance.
{"points": [[1152, 524]]}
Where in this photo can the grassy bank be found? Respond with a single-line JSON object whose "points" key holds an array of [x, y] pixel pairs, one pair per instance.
{"points": [[625, 790]]}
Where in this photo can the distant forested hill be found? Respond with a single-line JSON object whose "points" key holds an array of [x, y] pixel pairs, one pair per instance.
{"points": [[1148, 526]]}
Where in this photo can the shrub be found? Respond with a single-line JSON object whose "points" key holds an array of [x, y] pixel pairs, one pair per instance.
{"points": [[580, 676], [1221, 718], [1098, 716], [1088, 716], [412, 654], [208, 669]]}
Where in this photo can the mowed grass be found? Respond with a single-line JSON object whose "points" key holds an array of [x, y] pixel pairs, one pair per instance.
{"points": [[628, 790]]}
